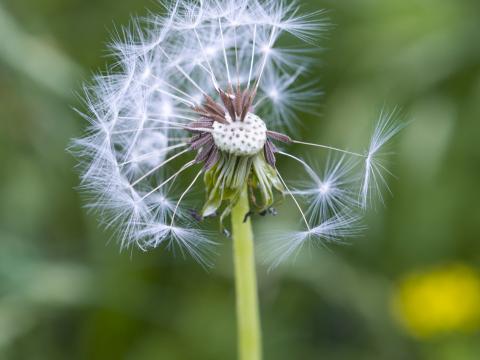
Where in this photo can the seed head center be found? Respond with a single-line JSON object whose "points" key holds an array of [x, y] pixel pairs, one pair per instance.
{"points": [[241, 138]]}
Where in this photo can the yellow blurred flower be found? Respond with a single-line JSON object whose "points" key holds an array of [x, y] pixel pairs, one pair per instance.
{"points": [[442, 300]]}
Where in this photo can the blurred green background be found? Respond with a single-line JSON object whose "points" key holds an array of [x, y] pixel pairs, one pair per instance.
{"points": [[408, 289]]}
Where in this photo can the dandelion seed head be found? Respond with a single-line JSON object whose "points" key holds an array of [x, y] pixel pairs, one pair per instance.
{"points": [[241, 138], [194, 109]]}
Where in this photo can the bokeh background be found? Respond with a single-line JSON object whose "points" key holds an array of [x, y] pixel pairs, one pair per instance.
{"points": [[408, 289]]}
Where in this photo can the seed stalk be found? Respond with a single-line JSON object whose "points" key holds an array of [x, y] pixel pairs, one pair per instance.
{"points": [[248, 317]]}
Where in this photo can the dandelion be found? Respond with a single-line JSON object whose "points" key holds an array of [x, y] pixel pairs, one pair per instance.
{"points": [[438, 301], [206, 94]]}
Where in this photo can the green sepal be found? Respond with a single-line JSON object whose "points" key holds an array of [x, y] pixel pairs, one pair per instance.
{"points": [[226, 179]]}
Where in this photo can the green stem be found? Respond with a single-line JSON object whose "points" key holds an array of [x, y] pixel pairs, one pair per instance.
{"points": [[248, 319]]}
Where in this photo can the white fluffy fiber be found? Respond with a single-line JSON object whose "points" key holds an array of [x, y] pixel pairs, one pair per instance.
{"points": [[136, 146]]}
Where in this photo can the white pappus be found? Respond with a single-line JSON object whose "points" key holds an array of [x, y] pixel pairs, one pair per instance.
{"points": [[204, 93]]}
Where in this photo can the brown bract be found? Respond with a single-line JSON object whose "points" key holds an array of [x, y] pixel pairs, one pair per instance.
{"points": [[233, 106]]}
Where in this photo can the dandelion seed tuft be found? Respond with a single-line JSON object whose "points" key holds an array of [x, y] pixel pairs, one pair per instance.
{"points": [[206, 95]]}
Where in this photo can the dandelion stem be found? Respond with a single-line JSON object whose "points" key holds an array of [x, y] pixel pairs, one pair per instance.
{"points": [[248, 318]]}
